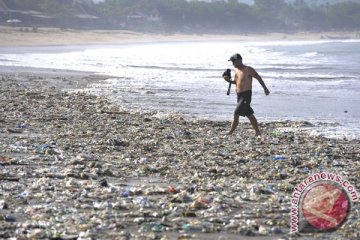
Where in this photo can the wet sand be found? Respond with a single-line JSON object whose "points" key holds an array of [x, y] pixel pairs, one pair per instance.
{"points": [[15, 36], [75, 166]]}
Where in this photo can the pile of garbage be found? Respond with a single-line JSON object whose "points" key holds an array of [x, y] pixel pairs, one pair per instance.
{"points": [[75, 166]]}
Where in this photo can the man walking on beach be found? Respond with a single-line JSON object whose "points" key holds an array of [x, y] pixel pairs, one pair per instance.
{"points": [[243, 80]]}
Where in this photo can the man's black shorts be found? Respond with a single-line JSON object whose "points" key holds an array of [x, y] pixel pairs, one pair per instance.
{"points": [[243, 108]]}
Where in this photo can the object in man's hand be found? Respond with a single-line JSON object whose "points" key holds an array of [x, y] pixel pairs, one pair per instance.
{"points": [[227, 73], [228, 91]]}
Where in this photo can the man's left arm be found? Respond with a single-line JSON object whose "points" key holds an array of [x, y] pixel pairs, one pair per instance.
{"points": [[259, 78]]}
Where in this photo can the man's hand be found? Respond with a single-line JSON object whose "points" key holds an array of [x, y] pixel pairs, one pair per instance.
{"points": [[227, 73], [227, 78]]}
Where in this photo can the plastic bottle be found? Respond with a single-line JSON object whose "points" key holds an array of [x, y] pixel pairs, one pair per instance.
{"points": [[144, 202], [278, 158], [125, 194], [24, 194], [10, 218], [158, 227], [188, 227]]}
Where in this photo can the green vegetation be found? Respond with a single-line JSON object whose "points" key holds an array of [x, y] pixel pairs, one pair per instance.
{"points": [[232, 16], [51, 7]]}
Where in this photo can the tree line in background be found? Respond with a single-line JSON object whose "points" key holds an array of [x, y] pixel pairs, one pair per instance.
{"points": [[215, 17], [232, 16]]}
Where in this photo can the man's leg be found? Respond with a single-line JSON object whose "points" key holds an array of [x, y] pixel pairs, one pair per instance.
{"points": [[234, 123], [254, 124]]}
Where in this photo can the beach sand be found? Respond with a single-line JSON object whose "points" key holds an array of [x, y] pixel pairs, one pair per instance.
{"points": [[73, 165], [14, 36]]}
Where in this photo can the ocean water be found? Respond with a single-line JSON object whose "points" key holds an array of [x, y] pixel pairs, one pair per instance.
{"points": [[315, 81]]}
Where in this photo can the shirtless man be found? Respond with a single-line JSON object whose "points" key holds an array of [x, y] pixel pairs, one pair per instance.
{"points": [[243, 81]]}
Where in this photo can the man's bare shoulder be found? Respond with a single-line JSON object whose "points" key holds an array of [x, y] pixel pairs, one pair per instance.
{"points": [[249, 68], [251, 71]]}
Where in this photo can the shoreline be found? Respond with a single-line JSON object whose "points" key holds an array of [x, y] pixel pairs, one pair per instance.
{"points": [[106, 170], [60, 79], [16, 36]]}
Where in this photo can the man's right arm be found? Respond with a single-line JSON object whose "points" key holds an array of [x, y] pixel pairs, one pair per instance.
{"points": [[227, 78]]}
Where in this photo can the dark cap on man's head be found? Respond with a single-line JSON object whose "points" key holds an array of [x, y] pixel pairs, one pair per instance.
{"points": [[235, 56]]}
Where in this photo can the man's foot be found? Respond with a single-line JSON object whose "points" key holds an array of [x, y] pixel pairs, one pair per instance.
{"points": [[228, 134]]}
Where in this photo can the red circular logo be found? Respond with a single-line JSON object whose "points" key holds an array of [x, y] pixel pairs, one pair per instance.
{"points": [[325, 206]]}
